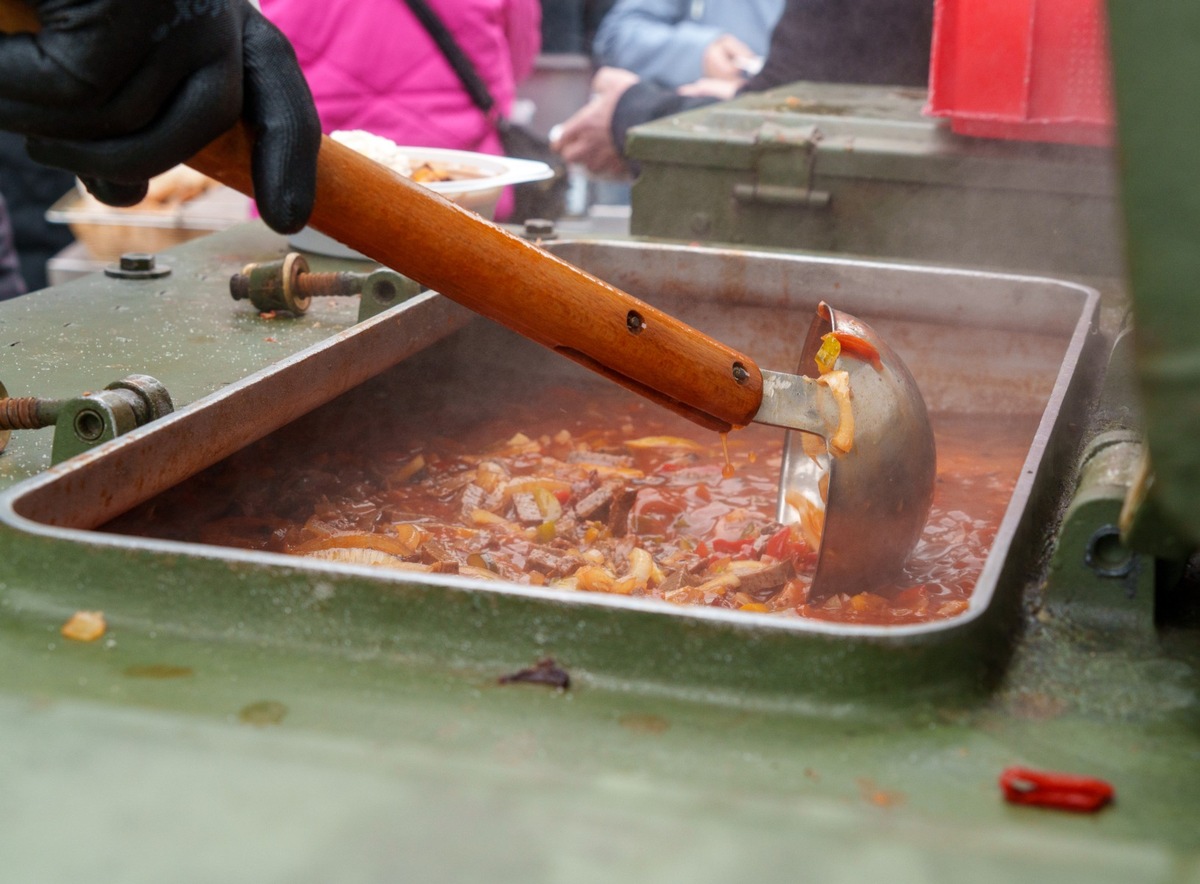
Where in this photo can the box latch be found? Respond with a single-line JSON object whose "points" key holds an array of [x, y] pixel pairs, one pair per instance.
{"points": [[783, 160]]}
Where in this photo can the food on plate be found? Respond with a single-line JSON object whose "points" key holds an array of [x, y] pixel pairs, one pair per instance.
{"points": [[387, 153]]}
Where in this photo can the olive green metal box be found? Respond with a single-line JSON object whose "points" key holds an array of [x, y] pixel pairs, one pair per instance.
{"points": [[861, 170]]}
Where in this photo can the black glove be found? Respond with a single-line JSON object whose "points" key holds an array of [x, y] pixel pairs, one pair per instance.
{"points": [[118, 91]]}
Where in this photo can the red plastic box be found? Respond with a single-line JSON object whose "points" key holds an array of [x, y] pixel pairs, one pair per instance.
{"points": [[1034, 70]]}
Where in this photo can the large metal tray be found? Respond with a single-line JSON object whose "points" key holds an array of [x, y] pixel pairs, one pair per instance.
{"points": [[975, 341]]}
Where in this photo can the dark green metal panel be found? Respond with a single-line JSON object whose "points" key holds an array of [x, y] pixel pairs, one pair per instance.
{"points": [[860, 170], [1156, 60]]}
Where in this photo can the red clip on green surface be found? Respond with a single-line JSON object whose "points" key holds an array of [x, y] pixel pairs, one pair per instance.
{"points": [[1055, 790]]}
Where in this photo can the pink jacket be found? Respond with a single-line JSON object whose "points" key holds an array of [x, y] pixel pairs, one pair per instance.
{"points": [[372, 66]]}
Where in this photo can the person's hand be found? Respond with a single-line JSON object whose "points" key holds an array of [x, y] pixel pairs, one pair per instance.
{"points": [[585, 139], [710, 87], [118, 91], [727, 58]]}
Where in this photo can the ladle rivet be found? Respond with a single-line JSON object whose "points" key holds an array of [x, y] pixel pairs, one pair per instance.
{"points": [[635, 323]]}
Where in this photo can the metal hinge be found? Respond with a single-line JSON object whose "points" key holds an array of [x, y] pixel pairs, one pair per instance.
{"points": [[784, 161]]}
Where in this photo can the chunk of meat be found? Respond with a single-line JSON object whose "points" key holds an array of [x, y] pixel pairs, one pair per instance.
{"points": [[600, 458], [593, 504], [526, 507]]}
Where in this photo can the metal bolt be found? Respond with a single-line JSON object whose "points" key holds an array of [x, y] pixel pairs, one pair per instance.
{"points": [[290, 285], [28, 412], [137, 265], [89, 425], [1106, 555], [740, 374], [144, 397], [539, 228], [382, 288], [147, 397], [635, 323]]}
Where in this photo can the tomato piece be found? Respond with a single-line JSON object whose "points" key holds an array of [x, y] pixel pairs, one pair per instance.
{"points": [[740, 546], [786, 543], [776, 547]]}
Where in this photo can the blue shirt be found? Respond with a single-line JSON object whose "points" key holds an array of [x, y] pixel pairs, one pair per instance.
{"points": [[664, 40]]}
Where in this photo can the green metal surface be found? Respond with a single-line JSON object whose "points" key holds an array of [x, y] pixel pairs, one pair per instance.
{"points": [[860, 170], [251, 744], [184, 330], [1155, 64], [1095, 576]]}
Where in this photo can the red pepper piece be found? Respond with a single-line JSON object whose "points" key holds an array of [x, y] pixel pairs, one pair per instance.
{"points": [[1055, 790], [861, 348], [732, 547], [786, 544], [777, 546]]}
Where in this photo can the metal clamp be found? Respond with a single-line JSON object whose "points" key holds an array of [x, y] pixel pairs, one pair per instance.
{"points": [[88, 420], [289, 285]]}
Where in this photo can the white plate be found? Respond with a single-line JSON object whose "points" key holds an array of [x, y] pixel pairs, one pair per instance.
{"points": [[479, 193]]}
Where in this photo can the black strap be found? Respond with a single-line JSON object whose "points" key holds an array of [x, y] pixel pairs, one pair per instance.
{"points": [[458, 59]]}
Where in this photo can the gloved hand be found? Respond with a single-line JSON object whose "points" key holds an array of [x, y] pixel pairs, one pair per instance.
{"points": [[118, 91]]}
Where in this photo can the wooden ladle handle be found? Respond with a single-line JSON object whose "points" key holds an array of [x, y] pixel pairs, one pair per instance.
{"points": [[480, 265]]}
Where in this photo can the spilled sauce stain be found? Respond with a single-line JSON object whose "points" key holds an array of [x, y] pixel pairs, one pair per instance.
{"points": [[263, 713], [644, 724], [872, 794]]}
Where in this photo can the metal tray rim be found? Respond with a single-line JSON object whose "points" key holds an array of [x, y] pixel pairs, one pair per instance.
{"points": [[978, 606]]}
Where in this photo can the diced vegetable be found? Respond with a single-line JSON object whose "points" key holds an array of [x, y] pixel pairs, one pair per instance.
{"points": [[838, 383], [383, 543], [663, 442], [410, 469], [828, 353]]}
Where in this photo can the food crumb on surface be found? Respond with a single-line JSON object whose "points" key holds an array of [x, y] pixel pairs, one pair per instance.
{"points": [[653, 725], [545, 672], [873, 794], [85, 626], [263, 713]]}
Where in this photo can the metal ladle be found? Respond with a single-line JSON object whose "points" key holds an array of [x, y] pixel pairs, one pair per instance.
{"points": [[879, 493]]}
